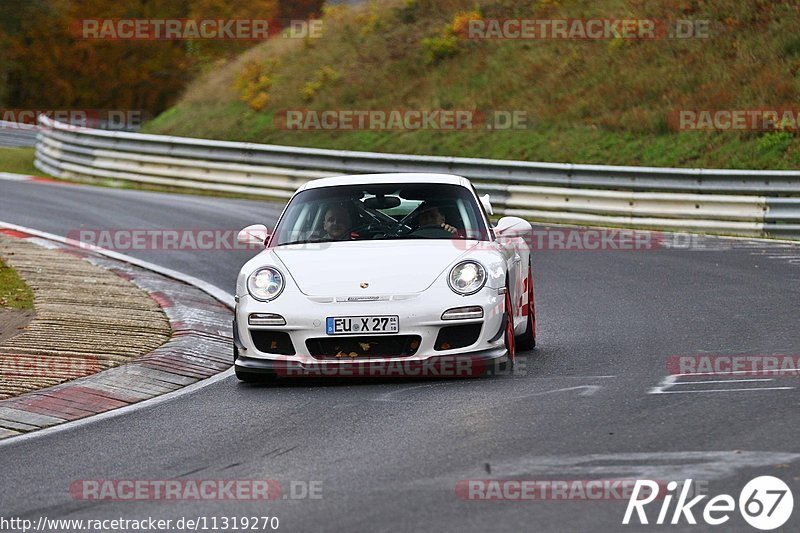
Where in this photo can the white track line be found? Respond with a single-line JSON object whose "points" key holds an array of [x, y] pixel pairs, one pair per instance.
{"points": [[762, 372], [212, 290], [14, 177], [720, 381], [721, 390]]}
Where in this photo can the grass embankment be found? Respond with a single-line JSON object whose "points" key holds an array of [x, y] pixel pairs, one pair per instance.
{"points": [[18, 161], [596, 101], [14, 293]]}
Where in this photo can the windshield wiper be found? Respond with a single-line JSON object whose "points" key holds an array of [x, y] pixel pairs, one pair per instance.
{"points": [[302, 241]]}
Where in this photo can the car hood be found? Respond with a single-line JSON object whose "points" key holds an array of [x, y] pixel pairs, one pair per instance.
{"points": [[388, 267]]}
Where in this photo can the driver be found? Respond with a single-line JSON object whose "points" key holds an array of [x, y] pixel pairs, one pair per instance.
{"points": [[429, 215], [337, 223]]}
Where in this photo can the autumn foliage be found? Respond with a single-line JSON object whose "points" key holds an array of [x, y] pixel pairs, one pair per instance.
{"points": [[45, 64]]}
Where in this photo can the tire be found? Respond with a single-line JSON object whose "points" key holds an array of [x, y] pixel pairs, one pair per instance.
{"points": [[527, 341]]}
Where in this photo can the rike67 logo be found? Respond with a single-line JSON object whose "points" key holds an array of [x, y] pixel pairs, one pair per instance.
{"points": [[766, 503]]}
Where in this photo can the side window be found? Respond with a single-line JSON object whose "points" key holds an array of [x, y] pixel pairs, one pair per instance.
{"points": [[466, 216], [300, 226], [483, 211]]}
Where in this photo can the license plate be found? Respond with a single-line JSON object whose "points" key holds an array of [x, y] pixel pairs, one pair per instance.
{"points": [[351, 325]]}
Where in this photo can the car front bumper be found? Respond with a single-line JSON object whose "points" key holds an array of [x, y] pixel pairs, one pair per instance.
{"points": [[464, 365], [419, 315]]}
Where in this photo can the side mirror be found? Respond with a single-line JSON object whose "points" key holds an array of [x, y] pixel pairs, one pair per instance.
{"points": [[487, 204], [253, 235], [511, 227]]}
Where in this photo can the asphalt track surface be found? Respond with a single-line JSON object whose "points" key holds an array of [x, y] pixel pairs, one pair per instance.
{"points": [[389, 454]]}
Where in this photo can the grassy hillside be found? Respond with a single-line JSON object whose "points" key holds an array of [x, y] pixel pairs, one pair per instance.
{"points": [[602, 101], [18, 161]]}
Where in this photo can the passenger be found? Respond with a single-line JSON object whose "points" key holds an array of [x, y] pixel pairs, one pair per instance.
{"points": [[337, 224]]}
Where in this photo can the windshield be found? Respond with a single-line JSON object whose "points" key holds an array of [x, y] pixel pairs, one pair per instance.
{"points": [[381, 212]]}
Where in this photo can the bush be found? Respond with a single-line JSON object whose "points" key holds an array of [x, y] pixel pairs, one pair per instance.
{"points": [[451, 39], [775, 141], [435, 49], [322, 78], [254, 83]]}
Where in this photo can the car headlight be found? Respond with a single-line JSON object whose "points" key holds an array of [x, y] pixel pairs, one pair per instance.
{"points": [[265, 284], [467, 278]]}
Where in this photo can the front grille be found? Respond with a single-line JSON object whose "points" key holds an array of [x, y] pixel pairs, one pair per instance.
{"points": [[269, 341], [364, 347], [452, 337]]}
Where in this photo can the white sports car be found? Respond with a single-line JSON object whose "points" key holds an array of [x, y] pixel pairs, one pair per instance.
{"points": [[384, 275]]}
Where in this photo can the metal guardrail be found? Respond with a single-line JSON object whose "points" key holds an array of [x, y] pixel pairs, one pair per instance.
{"points": [[20, 134], [735, 202]]}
